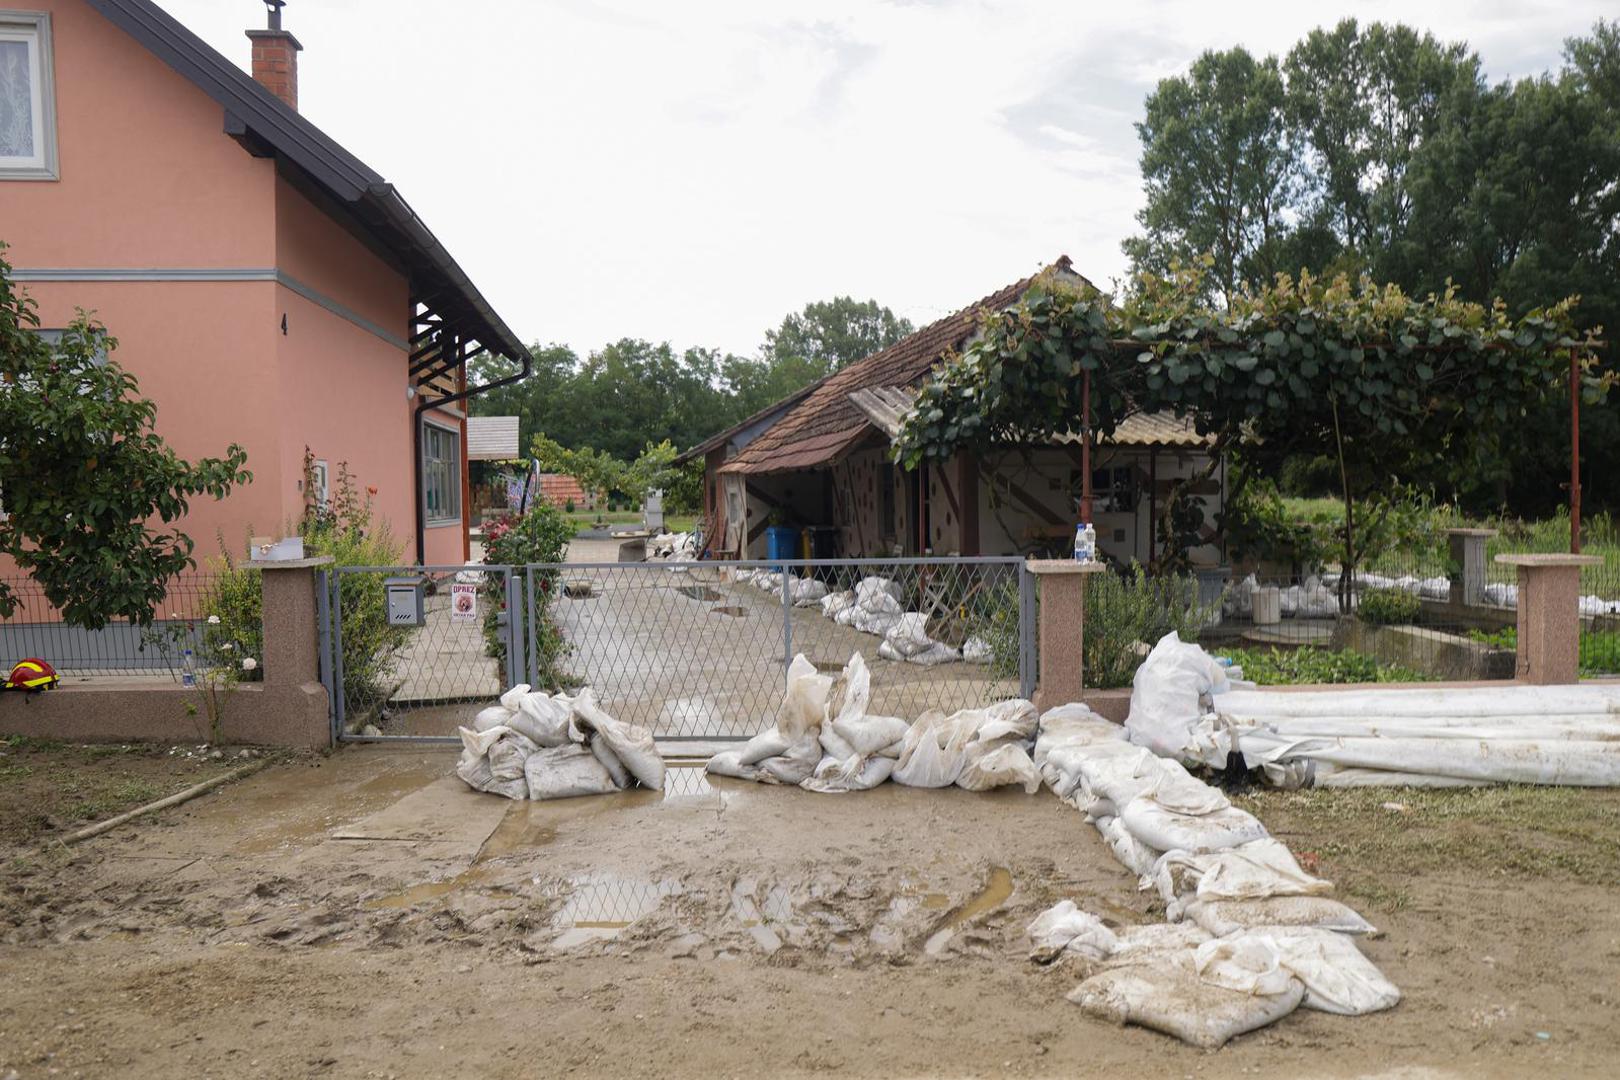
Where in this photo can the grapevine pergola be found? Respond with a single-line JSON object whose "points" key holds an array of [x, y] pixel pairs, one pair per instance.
{"points": [[1363, 371]]}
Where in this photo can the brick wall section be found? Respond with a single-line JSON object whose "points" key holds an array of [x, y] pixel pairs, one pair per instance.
{"points": [[275, 63]]}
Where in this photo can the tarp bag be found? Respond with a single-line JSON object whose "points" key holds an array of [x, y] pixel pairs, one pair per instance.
{"points": [[1251, 871], [935, 748], [474, 766], [543, 718]]}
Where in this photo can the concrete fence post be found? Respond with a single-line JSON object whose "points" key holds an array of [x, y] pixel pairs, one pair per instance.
{"points": [[1549, 615], [1468, 555], [295, 708], [1060, 629]]}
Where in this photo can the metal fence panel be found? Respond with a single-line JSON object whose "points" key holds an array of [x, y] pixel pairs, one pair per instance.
{"points": [[121, 648], [689, 650]]}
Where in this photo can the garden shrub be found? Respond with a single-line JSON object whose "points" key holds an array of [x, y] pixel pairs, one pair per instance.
{"points": [[1388, 607], [1309, 664], [1125, 612], [540, 535], [344, 530]]}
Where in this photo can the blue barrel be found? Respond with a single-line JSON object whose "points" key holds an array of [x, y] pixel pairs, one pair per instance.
{"points": [[781, 542]]}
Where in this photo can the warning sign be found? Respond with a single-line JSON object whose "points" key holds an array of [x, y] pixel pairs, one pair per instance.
{"points": [[463, 603]]}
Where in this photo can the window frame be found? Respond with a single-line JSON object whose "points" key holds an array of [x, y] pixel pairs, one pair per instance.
{"points": [[34, 28], [452, 473]]}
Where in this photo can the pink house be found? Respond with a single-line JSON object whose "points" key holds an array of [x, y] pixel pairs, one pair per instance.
{"points": [[264, 285]]}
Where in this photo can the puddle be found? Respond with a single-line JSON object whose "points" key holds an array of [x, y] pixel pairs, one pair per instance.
{"points": [[732, 610], [699, 592], [312, 816], [993, 895], [428, 890], [687, 781], [596, 906]]}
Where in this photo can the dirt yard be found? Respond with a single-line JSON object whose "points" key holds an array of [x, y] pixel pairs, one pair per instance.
{"points": [[364, 915]]}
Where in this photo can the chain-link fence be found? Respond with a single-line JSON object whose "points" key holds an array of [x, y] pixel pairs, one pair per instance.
{"points": [[122, 648], [390, 676], [688, 650]]}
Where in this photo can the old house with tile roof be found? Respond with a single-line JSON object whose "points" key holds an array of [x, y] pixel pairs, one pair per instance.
{"points": [[821, 460]]}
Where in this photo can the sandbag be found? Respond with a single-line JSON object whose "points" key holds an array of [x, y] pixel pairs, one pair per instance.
{"points": [[507, 755], [878, 594], [542, 718], [730, 763], [1168, 830], [933, 752], [868, 735], [834, 777], [630, 743], [1168, 694], [474, 766], [493, 717], [999, 766], [937, 653], [564, 772], [1134, 855], [1336, 976], [909, 635], [768, 743], [1163, 991], [796, 765], [833, 603], [1222, 917], [976, 650], [1255, 870], [1063, 927]]}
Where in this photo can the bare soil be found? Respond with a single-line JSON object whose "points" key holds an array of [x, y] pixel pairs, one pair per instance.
{"points": [[360, 916], [49, 787]]}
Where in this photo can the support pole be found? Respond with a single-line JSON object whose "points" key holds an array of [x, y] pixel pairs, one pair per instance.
{"points": [[1574, 453], [1085, 447]]}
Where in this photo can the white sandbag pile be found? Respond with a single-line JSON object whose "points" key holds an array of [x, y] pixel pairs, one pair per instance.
{"points": [[1312, 598], [824, 750], [534, 745], [1259, 936]]}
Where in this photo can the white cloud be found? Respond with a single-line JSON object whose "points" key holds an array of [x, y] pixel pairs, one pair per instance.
{"points": [[694, 171]]}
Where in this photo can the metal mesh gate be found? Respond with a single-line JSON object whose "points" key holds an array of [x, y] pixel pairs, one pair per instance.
{"points": [[689, 650]]}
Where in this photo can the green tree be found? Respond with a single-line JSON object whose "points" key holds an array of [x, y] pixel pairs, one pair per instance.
{"points": [[83, 474], [831, 334], [1220, 170]]}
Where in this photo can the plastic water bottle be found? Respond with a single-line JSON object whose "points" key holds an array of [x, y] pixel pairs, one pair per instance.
{"points": [[188, 673], [1085, 542]]}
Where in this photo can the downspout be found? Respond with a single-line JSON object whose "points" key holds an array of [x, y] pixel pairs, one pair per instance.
{"points": [[416, 431]]}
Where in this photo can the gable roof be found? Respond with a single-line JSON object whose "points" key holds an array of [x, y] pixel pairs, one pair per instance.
{"points": [[887, 406], [828, 424], [267, 126]]}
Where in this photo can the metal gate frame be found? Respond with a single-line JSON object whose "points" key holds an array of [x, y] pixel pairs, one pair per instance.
{"points": [[522, 658], [329, 609]]}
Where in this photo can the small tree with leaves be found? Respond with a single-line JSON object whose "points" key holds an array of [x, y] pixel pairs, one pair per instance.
{"points": [[91, 492]]}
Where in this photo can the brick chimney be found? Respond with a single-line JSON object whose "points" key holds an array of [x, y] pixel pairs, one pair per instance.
{"points": [[275, 56]]}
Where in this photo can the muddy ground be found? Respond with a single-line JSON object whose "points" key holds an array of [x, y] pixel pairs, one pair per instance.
{"points": [[363, 916]]}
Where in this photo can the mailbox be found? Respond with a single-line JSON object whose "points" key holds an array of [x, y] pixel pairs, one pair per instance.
{"points": [[405, 600]]}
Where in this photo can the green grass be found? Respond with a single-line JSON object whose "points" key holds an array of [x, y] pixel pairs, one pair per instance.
{"points": [[1489, 836], [1599, 649], [1600, 535], [582, 520]]}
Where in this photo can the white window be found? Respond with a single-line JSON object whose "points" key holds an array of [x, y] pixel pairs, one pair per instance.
{"points": [[441, 474], [27, 97]]}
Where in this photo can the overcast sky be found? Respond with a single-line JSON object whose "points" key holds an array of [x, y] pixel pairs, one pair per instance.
{"points": [[693, 171]]}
